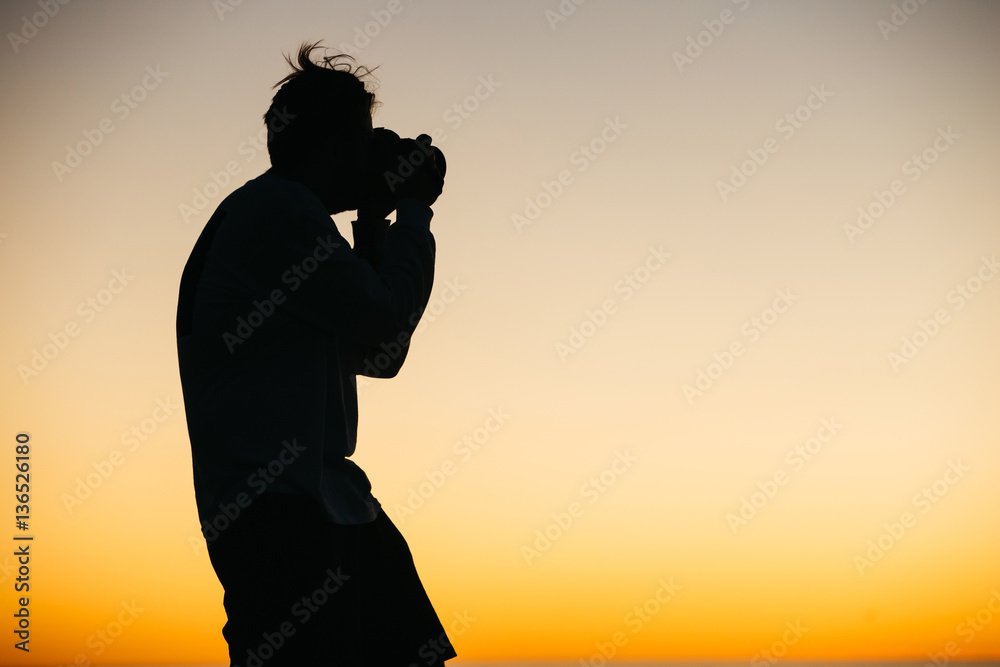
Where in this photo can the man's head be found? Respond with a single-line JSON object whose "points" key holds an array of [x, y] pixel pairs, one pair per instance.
{"points": [[320, 128]]}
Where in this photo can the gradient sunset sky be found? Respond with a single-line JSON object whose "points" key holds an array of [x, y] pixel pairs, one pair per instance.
{"points": [[711, 354]]}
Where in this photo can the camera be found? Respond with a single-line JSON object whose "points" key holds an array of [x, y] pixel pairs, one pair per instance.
{"points": [[398, 160]]}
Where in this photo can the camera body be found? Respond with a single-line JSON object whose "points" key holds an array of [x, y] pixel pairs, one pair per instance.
{"points": [[400, 163]]}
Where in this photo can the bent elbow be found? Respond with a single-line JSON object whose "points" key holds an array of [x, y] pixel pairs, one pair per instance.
{"points": [[382, 361]]}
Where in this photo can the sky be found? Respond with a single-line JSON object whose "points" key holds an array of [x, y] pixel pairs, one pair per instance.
{"points": [[710, 366]]}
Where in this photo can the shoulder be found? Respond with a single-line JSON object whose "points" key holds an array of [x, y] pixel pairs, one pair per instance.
{"points": [[276, 196], [267, 207]]}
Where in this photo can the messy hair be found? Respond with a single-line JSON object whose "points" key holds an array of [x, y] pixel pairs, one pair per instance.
{"points": [[318, 99]]}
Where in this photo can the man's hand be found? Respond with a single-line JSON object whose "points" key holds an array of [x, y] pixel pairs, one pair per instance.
{"points": [[424, 179], [404, 168]]}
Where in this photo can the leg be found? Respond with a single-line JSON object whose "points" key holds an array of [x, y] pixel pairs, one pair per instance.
{"points": [[287, 574]]}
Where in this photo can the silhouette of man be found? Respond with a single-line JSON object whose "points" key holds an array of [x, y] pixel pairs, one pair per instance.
{"points": [[276, 317]]}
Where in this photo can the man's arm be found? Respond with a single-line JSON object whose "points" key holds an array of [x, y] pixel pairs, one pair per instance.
{"points": [[327, 285], [370, 240], [385, 359]]}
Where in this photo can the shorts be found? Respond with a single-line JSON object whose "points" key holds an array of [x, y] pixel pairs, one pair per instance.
{"points": [[300, 590]]}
